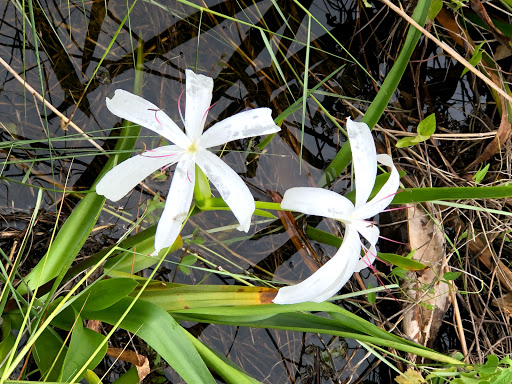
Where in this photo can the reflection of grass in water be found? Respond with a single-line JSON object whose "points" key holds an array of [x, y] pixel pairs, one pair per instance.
{"points": [[264, 68]]}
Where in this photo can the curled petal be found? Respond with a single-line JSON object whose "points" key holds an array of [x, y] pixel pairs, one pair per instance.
{"points": [[367, 259], [199, 97], [364, 159], [140, 111], [329, 279], [367, 230], [230, 186], [177, 204], [125, 176], [254, 122], [371, 233], [318, 202], [386, 193]]}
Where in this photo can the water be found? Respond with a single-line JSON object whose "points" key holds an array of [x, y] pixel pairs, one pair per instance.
{"points": [[235, 55]]}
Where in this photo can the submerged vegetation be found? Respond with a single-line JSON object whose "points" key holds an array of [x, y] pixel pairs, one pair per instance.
{"points": [[84, 294]]}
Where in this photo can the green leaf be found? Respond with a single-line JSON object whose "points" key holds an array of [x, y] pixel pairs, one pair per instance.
{"points": [[49, 354], [187, 261], [83, 343], [134, 261], [435, 8], [157, 328], [372, 296], [295, 317], [475, 58], [402, 262], [100, 295], [323, 237], [202, 190], [7, 342], [451, 275], [420, 195], [480, 174], [130, 377], [427, 126], [408, 141], [490, 366]]}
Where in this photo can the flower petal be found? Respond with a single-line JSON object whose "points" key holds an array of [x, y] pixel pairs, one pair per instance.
{"points": [[371, 233], [140, 111], [329, 279], [177, 203], [364, 159], [125, 176], [254, 122], [318, 202], [367, 259], [386, 193], [199, 97], [230, 186]]}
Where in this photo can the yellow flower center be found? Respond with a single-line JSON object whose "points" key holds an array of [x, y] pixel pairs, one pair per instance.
{"points": [[192, 148]]}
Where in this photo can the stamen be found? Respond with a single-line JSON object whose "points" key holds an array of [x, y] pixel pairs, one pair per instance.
{"points": [[151, 150], [370, 265], [204, 116], [156, 118], [179, 107], [393, 194], [393, 241]]}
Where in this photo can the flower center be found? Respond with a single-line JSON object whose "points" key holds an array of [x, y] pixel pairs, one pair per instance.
{"points": [[192, 148]]}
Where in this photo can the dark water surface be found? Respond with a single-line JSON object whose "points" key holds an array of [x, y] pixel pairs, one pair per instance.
{"points": [[73, 37]]}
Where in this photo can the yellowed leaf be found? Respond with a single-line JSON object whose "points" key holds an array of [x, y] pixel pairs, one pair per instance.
{"points": [[413, 377]]}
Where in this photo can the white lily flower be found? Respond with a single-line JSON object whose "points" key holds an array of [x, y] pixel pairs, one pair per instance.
{"points": [[189, 148], [333, 275]]}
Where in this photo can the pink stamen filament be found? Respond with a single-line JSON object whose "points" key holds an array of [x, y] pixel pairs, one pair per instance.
{"points": [[179, 107], [393, 194], [206, 113], [370, 265], [156, 118], [156, 157], [393, 241]]}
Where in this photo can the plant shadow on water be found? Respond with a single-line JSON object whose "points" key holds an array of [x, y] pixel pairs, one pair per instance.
{"points": [[173, 38]]}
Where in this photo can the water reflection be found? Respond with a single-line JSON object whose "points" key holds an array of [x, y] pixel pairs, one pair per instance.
{"points": [[72, 41]]}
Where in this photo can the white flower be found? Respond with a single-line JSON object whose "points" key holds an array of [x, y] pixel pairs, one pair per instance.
{"points": [[188, 149], [333, 275]]}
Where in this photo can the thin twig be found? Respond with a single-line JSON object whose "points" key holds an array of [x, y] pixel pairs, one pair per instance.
{"points": [[47, 103], [448, 49]]}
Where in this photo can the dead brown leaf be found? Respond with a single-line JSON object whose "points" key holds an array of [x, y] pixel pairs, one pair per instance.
{"points": [[430, 295], [299, 240], [140, 362]]}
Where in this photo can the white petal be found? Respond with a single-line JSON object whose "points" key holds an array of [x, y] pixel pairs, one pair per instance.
{"points": [[177, 204], [251, 123], [329, 279], [199, 97], [371, 233], [366, 260], [140, 111], [386, 193], [367, 230], [364, 159], [125, 176], [318, 202], [230, 186]]}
